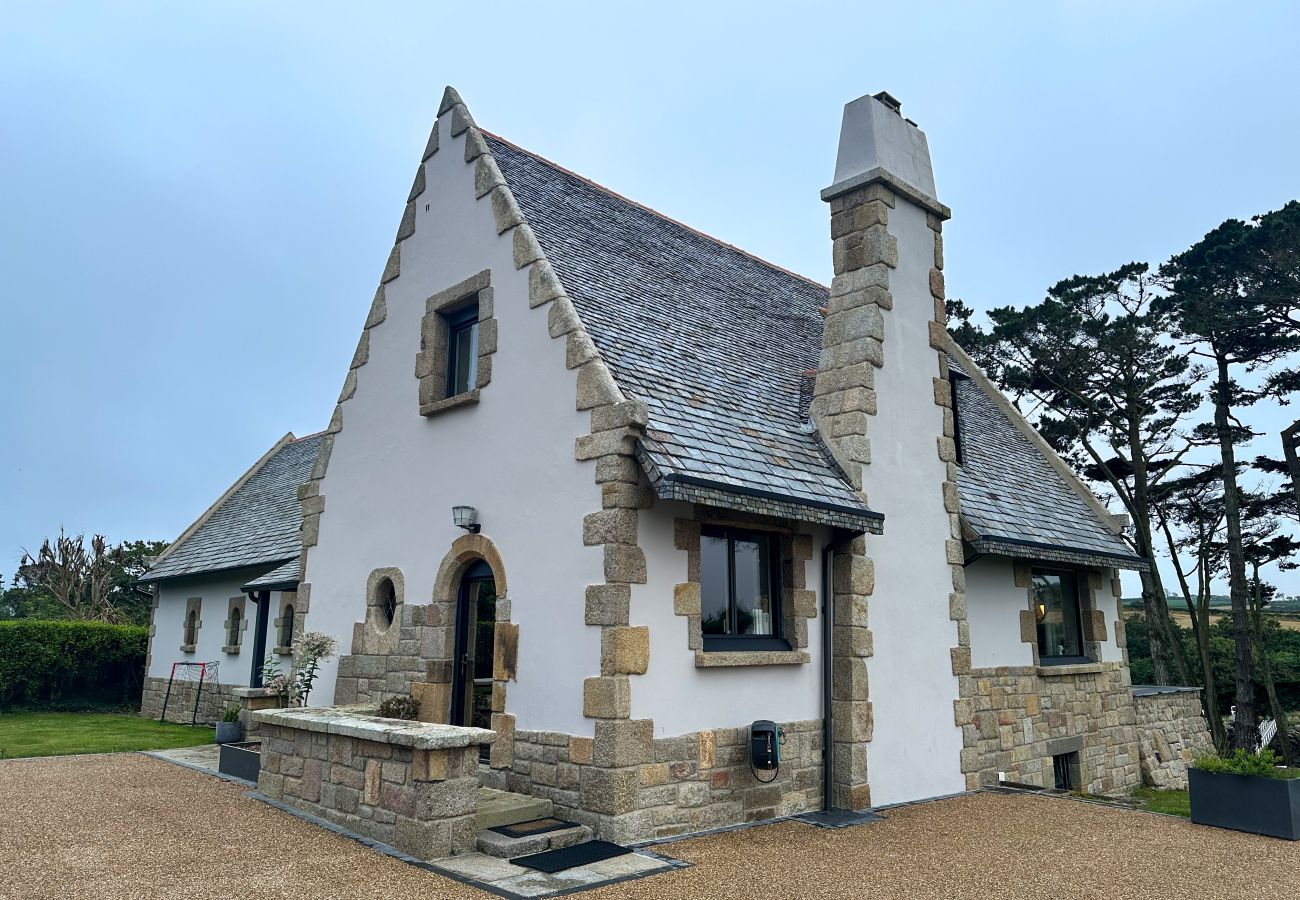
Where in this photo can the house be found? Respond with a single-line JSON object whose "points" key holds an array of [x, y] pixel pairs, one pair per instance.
{"points": [[617, 490]]}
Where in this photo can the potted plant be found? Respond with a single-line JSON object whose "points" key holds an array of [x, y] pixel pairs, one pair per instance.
{"points": [[1246, 792], [230, 729]]}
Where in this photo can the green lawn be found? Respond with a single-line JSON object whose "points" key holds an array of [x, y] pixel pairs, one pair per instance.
{"points": [[61, 733], [1175, 803]]}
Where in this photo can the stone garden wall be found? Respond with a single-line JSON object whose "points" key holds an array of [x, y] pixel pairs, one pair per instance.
{"points": [[410, 785], [1014, 720], [1172, 732], [180, 707], [628, 786]]}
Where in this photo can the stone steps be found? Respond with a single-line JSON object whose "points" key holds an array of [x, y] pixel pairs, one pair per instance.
{"points": [[497, 808], [502, 847]]}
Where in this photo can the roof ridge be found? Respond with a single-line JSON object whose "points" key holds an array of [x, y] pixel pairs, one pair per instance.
{"points": [[221, 500], [654, 212]]}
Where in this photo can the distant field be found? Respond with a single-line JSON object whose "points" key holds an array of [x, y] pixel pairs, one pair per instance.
{"points": [[1185, 621]]}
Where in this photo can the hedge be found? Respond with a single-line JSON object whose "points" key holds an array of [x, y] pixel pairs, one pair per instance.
{"points": [[62, 665]]}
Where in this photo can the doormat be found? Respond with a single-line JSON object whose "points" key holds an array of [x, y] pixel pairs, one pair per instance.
{"points": [[838, 818], [578, 855], [536, 826]]}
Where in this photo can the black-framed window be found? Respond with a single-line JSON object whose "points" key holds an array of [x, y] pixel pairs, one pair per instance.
{"points": [[462, 350], [1057, 612], [740, 589]]}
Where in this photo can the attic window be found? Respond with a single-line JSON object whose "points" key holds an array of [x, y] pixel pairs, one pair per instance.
{"points": [[462, 350], [458, 336]]}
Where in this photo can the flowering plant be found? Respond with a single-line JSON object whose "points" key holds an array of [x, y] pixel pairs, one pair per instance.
{"points": [[308, 653]]}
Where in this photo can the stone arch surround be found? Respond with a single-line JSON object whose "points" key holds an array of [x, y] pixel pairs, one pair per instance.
{"points": [[415, 653], [435, 694]]}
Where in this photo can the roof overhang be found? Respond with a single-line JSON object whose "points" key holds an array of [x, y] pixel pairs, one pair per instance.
{"points": [[1074, 556], [742, 498], [284, 578], [149, 578]]}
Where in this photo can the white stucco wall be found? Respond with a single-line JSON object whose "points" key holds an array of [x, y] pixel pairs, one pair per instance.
{"points": [[993, 605], [916, 746], [216, 592], [394, 475], [681, 698]]}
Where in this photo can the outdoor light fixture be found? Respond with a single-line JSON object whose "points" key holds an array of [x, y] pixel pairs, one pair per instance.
{"points": [[465, 517]]}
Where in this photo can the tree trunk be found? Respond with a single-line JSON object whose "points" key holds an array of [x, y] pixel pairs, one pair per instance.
{"points": [[1266, 674], [1167, 661], [1199, 612], [1291, 450], [1244, 731]]}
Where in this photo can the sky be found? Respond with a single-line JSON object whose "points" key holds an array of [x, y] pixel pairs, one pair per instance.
{"points": [[199, 198]]}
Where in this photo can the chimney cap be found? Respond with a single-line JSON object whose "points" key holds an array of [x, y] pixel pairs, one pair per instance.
{"points": [[878, 145], [890, 100]]}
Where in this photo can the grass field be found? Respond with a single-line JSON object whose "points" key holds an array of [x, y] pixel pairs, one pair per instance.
{"points": [[1175, 803], [1185, 621], [62, 733]]}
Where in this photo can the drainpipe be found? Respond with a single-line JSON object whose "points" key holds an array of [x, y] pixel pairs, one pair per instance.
{"points": [[828, 660]]}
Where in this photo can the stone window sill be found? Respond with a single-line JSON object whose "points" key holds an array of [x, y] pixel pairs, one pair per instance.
{"points": [[466, 399], [705, 659], [284, 651], [1092, 668], [187, 648], [230, 648]]}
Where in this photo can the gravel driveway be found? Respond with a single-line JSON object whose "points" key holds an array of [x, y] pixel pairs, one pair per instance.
{"points": [[126, 825]]}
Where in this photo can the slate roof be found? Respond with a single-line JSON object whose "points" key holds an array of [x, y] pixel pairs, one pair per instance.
{"points": [[258, 523], [713, 340], [285, 576], [716, 343], [1014, 500]]}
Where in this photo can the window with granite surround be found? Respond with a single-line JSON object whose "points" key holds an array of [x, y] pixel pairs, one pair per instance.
{"points": [[746, 598], [284, 628], [458, 336], [191, 624], [235, 625], [1064, 624]]}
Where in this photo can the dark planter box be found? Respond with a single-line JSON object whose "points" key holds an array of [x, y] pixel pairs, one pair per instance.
{"points": [[1269, 806], [241, 760]]}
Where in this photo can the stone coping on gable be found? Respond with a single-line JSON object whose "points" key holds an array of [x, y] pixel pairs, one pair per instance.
{"points": [[396, 732]]}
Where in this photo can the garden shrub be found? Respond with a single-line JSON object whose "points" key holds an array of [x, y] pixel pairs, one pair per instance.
{"points": [[1243, 762], [402, 706], [70, 664]]}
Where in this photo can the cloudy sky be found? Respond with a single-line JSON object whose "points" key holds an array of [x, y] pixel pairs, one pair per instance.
{"points": [[199, 198]]}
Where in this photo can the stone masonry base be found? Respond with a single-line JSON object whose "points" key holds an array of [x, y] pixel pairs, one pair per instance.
{"points": [[639, 788], [1172, 732], [1015, 719], [422, 802], [180, 706]]}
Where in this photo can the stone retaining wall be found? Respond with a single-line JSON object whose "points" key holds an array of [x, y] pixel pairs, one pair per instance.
{"points": [[376, 777], [1172, 732], [628, 786], [180, 707], [1014, 720]]}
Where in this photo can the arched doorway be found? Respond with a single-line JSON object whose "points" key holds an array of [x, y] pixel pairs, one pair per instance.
{"points": [[476, 616]]}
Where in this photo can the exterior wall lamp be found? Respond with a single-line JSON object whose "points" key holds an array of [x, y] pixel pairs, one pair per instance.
{"points": [[466, 517]]}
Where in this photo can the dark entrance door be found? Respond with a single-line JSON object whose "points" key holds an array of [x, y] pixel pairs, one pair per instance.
{"points": [[476, 617]]}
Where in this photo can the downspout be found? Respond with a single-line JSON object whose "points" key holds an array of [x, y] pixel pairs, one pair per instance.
{"points": [[263, 601], [828, 661]]}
